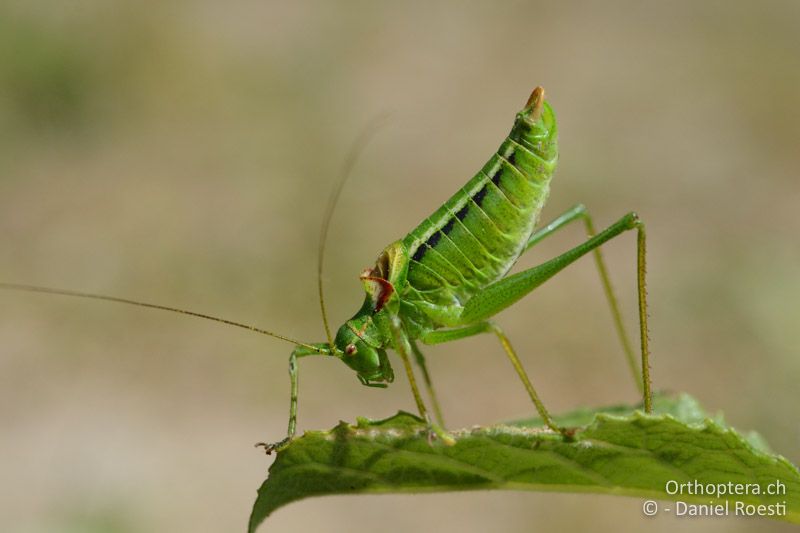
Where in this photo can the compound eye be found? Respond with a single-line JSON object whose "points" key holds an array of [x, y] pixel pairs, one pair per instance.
{"points": [[350, 349]]}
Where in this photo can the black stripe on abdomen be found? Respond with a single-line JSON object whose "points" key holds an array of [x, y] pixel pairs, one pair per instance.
{"points": [[480, 195]]}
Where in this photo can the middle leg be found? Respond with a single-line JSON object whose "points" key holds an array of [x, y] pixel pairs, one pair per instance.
{"points": [[402, 346], [440, 336], [420, 358]]}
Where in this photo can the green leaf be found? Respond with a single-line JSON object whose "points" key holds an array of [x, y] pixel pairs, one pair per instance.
{"points": [[616, 450]]}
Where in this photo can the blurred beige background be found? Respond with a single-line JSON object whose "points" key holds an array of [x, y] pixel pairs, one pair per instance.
{"points": [[182, 153]]}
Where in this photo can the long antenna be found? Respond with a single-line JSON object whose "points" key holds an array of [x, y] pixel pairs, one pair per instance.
{"points": [[62, 292], [356, 149]]}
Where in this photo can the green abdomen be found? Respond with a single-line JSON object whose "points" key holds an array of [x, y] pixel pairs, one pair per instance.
{"points": [[478, 234]]}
